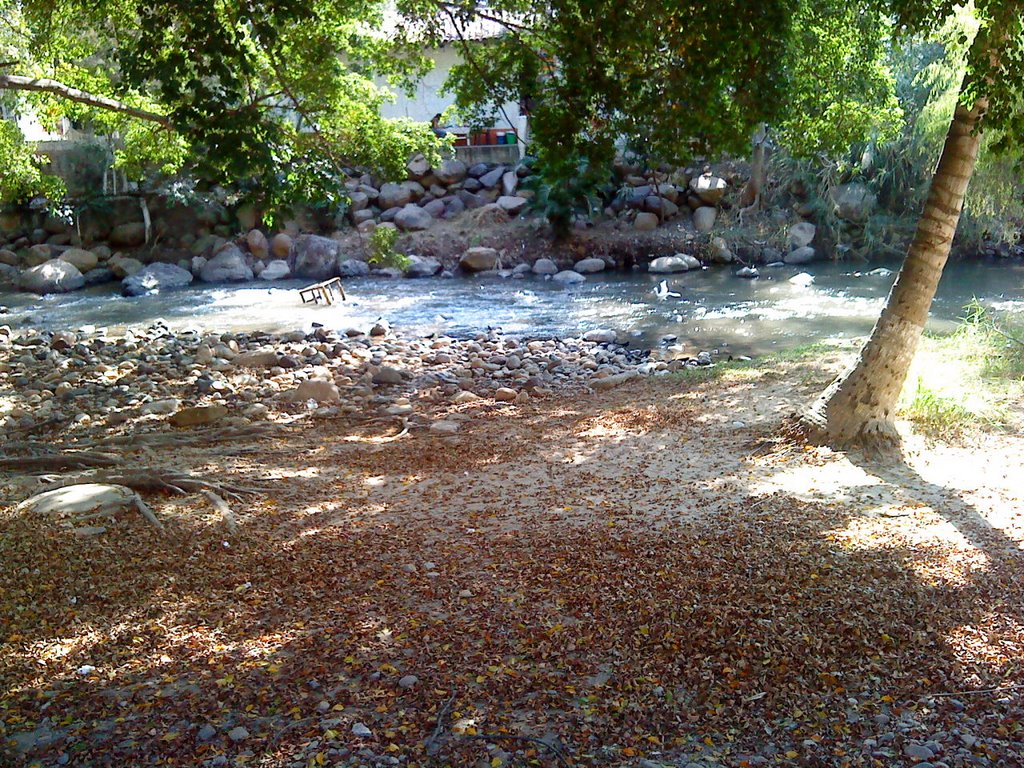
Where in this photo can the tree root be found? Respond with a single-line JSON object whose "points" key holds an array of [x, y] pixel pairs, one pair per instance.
{"points": [[66, 460], [155, 479], [230, 521]]}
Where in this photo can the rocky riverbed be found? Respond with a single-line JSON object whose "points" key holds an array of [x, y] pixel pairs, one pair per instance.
{"points": [[87, 379]]}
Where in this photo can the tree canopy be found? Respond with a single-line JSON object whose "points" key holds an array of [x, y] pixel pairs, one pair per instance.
{"points": [[281, 94]]}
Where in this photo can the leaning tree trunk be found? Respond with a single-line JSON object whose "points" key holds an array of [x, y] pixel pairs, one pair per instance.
{"points": [[858, 407]]}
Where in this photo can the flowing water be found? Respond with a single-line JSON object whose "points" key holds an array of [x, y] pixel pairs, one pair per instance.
{"points": [[713, 309]]}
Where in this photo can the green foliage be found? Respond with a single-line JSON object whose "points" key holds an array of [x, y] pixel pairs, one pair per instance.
{"points": [[22, 178], [276, 96], [565, 186], [382, 249], [937, 415], [841, 89]]}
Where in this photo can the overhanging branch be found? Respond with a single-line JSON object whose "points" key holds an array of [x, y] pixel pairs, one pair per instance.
{"points": [[45, 85]]}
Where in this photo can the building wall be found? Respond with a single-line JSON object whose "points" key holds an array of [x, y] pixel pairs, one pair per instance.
{"points": [[427, 99]]}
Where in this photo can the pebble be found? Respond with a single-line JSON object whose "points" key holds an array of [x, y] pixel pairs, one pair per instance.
{"points": [[361, 731], [238, 733], [207, 732], [408, 681]]}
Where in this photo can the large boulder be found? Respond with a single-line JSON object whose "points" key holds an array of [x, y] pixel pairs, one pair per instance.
{"points": [[128, 235], [281, 245], [512, 204], [479, 259], [9, 275], [55, 276], [154, 278], [709, 188], [257, 243], [38, 254], [719, 252], [803, 255], [509, 183], [420, 266], [122, 266], [704, 218], [451, 171], [668, 264], [854, 202], [569, 277], [801, 234], [83, 260], [10, 258], [412, 218], [545, 267], [227, 266], [348, 267], [275, 270], [471, 200], [585, 266], [314, 257], [492, 179], [393, 196], [418, 166], [645, 222]]}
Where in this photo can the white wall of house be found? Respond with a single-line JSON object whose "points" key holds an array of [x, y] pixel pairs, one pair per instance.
{"points": [[427, 100]]}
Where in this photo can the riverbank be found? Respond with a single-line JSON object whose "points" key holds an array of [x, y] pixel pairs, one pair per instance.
{"points": [[421, 567]]}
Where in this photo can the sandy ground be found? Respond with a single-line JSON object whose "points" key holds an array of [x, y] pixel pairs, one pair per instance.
{"points": [[646, 574]]}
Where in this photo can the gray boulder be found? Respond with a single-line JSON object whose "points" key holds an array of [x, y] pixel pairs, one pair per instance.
{"points": [[82, 259], [412, 218], [491, 179], [393, 196], [803, 255], [668, 265], [128, 235], [479, 259], [227, 266], [585, 266], [704, 218], [545, 267], [275, 270], [569, 277], [420, 266], [853, 201], [801, 234], [451, 171], [645, 222], [154, 278], [710, 189], [55, 276], [314, 257], [8, 275], [348, 267], [511, 204], [471, 200]]}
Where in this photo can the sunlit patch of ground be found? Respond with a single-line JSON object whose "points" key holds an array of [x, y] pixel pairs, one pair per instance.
{"points": [[646, 573]]}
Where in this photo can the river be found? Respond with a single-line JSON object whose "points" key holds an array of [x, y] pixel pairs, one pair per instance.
{"points": [[714, 308]]}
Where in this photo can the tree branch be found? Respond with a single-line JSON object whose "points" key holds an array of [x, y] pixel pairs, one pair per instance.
{"points": [[19, 83]]}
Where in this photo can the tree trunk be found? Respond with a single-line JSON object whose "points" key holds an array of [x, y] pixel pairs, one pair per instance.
{"points": [[750, 195], [858, 407]]}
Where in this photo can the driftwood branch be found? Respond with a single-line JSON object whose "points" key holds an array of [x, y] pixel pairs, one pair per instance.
{"points": [[45, 85]]}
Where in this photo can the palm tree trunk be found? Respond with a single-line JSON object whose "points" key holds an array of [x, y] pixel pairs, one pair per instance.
{"points": [[858, 407]]}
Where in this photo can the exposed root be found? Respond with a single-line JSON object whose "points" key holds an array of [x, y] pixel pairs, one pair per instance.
{"points": [[66, 460], [154, 479], [230, 521]]}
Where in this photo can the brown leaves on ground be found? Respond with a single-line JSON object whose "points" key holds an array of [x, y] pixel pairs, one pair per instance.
{"points": [[564, 574]]}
